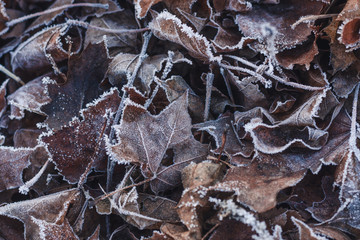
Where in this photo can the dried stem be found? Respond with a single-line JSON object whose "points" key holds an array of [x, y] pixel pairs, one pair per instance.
{"points": [[108, 30], [312, 18], [51, 10], [24, 189], [11, 75]]}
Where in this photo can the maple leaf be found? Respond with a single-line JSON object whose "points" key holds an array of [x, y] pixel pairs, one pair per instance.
{"points": [[146, 140]]}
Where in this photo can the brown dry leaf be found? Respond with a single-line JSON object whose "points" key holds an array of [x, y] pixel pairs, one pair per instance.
{"points": [[31, 97], [50, 209], [344, 82], [235, 144], [280, 17], [47, 19], [349, 29], [122, 20], [34, 56], [324, 210], [230, 229], [302, 55], [96, 234], [13, 162], [309, 232], [277, 138], [72, 148], [201, 174], [167, 26], [84, 75], [257, 185], [143, 6], [146, 140], [174, 87], [124, 63], [54, 231]]}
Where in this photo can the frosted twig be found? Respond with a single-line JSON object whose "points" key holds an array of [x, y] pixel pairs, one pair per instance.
{"points": [[352, 138], [209, 84], [267, 83], [11, 75], [51, 10], [227, 85], [131, 79], [24, 189], [108, 30], [149, 101], [277, 78], [312, 18]]}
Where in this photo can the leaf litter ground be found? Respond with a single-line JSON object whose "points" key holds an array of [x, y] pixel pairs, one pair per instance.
{"points": [[195, 119]]}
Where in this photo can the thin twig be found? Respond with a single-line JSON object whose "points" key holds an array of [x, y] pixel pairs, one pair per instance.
{"points": [[51, 10], [312, 18], [108, 30], [122, 189], [210, 231], [11, 75], [142, 57], [277, 78]]}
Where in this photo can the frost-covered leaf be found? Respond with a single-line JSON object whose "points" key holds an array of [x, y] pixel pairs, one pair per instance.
{"points": [[280, 17], [50, 208], [147, 140], [120, 20], [72, 148], [31, 97], [166, 26], [85, 73], [124, 63], [12, 163], [47, 19], [349, 29], [274, 139], [33, 57], [257, 185], [54, 231]]}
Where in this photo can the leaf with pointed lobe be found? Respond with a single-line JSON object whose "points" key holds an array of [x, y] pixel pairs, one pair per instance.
{"points": [[12, 163], [85, 72], [31, 97], [50, 209], [146, 140], [75, 146]]}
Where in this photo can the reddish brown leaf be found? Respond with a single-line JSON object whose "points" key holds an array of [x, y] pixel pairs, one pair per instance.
{"points": [[85, 73], [74, 147]]}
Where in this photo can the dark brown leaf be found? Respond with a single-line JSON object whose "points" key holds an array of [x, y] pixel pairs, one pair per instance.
{"points": [[74, 147]]}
